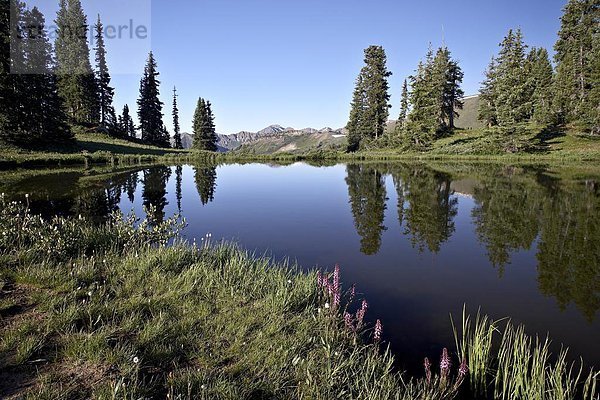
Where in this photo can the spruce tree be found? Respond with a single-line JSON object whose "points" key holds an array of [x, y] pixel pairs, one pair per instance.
{"points": [[540, 77], [435, 95], [403, 107], [370, 105], [14, 91], [126, 123], [355, 126], [422, 122], [150, 107], [77, 83], [513, 100], [176, 128], [593, 114], [26, 119], [203, 127], [575, 69], [105, 91], [487, 106], [453, 94], [46, 120]]}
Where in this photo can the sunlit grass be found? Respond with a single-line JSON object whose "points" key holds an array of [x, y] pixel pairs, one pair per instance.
{"points": [[121, 310], [509, 364]]}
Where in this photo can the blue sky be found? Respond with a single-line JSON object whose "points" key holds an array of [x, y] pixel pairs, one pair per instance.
{"points": [[293, 62]]}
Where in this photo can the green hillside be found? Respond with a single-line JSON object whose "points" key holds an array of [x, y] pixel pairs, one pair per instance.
{"points": [[467, 117]]}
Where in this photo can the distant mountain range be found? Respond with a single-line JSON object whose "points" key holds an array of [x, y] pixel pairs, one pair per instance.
{"points": [[236, 140], [276, 138]]}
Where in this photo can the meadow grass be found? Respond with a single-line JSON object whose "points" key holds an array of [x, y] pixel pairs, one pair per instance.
{"points": [[506, 363], [126, 310]]}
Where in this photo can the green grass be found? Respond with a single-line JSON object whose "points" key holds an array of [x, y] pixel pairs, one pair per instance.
{"points": [[126, 310], [507, 364], [90, 148], [119, 311]]}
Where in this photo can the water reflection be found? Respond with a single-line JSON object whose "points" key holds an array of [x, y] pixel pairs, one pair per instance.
{"points": [[206, 181], [520, 241], [366, 189]]}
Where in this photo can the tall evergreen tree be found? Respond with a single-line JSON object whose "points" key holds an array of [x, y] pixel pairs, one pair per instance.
{"points": [[205, 137], [423, 119], [77, 83], [593, 115], [45, 118], [540, 75], [435, 96], [176, 128], [105, 91], [356, 124], [575, 69], [26, 119], [403, 107], [487, 112], [126, 123], [150, 107], [452, 92], [370, 105], [513, 102]]}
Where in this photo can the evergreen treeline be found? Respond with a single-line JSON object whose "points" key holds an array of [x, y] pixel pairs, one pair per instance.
{"points": [[521, 87], [48, 91], [31, 110]]}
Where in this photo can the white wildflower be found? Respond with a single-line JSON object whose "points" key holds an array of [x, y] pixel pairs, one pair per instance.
{"points": [[136, 360], [326, 305]]}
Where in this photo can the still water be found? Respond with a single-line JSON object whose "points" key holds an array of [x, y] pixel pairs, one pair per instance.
{"points": [[418, 240]]}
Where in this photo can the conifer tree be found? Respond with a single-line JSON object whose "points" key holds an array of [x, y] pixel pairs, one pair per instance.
{"points": [[370, 105], [31, 120], [356, 124], [176, 128], [452, 94], [205, 137], [435, 95], [126, 123], [513, 101], [105, 91], [77, 83], [579, 26], [150, 107], [403, 107], [487, 107], [593, 114], [423, 120], [540, 75]]}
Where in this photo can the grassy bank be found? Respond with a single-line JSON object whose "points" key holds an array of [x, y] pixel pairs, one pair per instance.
{"points": [[90, 149], [113, 312], [120, 310]]}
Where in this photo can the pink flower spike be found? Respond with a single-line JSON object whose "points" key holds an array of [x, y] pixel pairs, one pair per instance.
{"points": [[445, 364], [378, 330]]}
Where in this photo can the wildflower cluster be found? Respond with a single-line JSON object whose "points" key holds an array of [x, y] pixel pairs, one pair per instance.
{"points": [[332, 290], [61, 238], [443, 383]]}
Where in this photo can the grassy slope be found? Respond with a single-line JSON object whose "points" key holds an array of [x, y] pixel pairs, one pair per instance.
{"points": [[87, 148], [468, 116]]}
